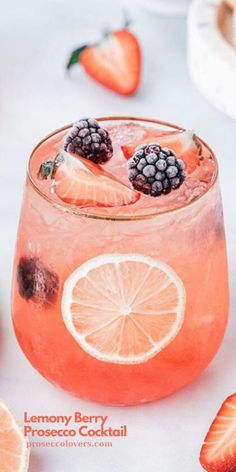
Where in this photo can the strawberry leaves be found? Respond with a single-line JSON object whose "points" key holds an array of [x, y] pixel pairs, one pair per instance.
{"points": [[75, 57]]}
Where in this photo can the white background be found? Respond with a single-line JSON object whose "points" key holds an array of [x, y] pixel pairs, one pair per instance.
{"points": [[36, 97]]}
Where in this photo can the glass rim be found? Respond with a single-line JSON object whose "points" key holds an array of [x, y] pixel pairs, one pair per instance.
{"points": [[83, 213]]}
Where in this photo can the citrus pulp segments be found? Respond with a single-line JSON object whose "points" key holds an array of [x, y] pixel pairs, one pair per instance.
{"points": [[123, 308], [14, 453]]}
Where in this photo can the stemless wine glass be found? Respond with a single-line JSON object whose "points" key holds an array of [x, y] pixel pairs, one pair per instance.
{"points": [[120, 308]]}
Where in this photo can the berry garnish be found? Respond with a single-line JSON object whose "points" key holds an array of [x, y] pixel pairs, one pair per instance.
{"points": [[154, 170], [36, 282], [218, 453], [114, 62], [89, 140], [80, 182], [184, 144]]}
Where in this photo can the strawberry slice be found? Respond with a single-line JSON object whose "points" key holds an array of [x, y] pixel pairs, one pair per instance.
{"points": [[184, 143], [218, 453], [115, 62], [80, 182]]}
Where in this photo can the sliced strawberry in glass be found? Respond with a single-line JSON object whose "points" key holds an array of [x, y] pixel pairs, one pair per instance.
{"points": [[80, 182], [184, 144]]}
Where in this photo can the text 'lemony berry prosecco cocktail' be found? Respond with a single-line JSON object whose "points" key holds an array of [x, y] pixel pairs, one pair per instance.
{"points": [[120, 290]]}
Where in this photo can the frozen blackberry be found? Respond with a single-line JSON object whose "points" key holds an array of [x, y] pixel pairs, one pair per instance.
{"points": [[36, 282], [154, 170], [88, 139]]}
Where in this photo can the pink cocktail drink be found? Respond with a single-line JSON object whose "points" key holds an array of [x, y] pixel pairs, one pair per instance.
{"points": [[126, 303]]}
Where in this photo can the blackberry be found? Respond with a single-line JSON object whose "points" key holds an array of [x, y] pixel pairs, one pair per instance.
{"points": [[36, 282], [88, 139], [154, 170]]}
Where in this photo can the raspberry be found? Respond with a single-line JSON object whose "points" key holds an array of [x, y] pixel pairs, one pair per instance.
{"points": [[154, 170], [88, 139], [36, 281]]}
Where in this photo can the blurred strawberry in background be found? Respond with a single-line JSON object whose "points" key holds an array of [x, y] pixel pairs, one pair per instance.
{"points": [[115, 61]]}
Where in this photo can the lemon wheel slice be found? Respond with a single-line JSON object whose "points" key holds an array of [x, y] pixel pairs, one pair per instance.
{"points": [[123, 308], [14, 453]]}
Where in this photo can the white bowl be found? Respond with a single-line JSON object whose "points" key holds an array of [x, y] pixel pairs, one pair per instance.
{"points": [[211, 58]]}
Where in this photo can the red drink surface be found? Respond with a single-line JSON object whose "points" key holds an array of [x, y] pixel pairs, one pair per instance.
{"points": [[122, 133], [183, 230]]}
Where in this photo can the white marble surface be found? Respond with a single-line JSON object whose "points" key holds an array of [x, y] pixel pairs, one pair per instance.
{"points": [[36, 96]]}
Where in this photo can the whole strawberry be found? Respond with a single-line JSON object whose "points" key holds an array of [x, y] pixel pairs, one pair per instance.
{"points": [[114, 62]]}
